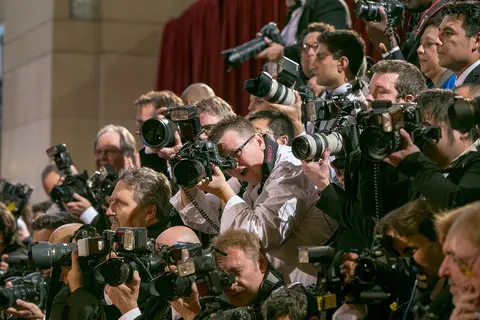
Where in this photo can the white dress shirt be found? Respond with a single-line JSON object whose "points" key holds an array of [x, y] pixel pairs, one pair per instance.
{"points": [[461, 79]]}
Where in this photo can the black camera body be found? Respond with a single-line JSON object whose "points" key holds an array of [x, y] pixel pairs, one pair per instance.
{"points": [[317, 109], [369, 10], [31, 288], [160, 133], [15, 196], [94, 188], [194, 265], [234, 57], [464, 114], [192, 163], [381, 129]]}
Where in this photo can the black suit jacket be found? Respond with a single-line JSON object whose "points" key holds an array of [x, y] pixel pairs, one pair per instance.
{"points": [[473, 76], [334, 12]]}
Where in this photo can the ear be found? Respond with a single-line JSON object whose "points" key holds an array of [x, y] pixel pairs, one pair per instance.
{"points": [[283, 140], [262, 263], [259, 139], [476, 44], [409, 98], [463, 136], [343, 64], [151, 213]]}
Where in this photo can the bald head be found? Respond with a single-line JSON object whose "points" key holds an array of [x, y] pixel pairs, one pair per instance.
{"points": [[64, 233], [177, 234], [196, 92]]}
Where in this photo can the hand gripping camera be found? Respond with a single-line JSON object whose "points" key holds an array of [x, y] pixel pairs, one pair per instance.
{"points": [[193, 162], [381, 129], [31, 288]]}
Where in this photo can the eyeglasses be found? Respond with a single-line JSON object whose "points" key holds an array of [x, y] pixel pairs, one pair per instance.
{"points": [[109, 152], [238, 151], [305, 46]]}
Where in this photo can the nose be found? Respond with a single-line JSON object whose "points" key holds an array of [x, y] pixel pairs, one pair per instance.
{"points": [[110, 212], [443, 271], [311, 51], [203, 136], [370, 98], [420, 49]]}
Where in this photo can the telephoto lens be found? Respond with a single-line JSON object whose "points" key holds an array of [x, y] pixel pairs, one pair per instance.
{"points": [[44, 255], [158, 133], [31, 288], [368, 10], [189, 172], [376, 145], [270, 89], [311, 147]]}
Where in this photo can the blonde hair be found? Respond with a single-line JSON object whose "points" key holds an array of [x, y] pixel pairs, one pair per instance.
{"points": [[247, 241], [466, 219]]}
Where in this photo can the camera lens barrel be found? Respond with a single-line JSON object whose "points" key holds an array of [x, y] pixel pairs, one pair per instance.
{"points": [[9, 296], [264, 86], [187, 173], [44, 255], [311, 147], [158, 133]]}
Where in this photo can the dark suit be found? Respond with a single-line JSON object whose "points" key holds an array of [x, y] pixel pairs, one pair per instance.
{"points": [[334, 12], [473, 76]]}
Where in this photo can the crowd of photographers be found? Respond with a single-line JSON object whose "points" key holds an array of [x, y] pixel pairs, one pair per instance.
{"points": [[349, 191]]}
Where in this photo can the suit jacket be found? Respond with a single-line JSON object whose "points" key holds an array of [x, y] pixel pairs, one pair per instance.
{"points": [[473, 76], [334, 12]]}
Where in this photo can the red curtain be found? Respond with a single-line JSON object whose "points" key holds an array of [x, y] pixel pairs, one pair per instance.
{"points": [[191, 45]]}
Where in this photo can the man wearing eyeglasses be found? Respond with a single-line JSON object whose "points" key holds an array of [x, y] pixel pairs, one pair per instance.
{"points": [[278, 203], [461, 246]]}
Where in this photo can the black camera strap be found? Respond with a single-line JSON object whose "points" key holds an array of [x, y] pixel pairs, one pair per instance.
{"points": [[271, 280], [270, 157]]}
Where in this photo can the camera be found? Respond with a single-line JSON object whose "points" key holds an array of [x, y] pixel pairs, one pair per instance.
{"points": [[339, 134], [192, 163], [160, 133], [194, 265], [31, 288], [275, 91], [464, 114], [315, 109], [94, 188], [381, 129], [369, 10], [15, 196], [235, 56]]}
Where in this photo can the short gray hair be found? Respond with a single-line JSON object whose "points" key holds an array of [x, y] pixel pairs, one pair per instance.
{"points": [[150, 188], [127, 141]]}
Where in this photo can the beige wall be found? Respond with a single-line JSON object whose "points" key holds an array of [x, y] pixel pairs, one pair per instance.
{"points": [[63, 79]]}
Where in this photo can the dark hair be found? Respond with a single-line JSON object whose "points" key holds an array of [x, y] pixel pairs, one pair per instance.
{"points": [[410, 79], [413, 218], [315, 27], [159, 99], [238, 124], [8, 225], [469, 11], [345, 43], [292, 301], [279, 123], [41, 207], [435, 103], [53, 221]]}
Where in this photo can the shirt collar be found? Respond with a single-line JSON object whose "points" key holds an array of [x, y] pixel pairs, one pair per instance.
{"points": [[473, 148], [464, 75]]}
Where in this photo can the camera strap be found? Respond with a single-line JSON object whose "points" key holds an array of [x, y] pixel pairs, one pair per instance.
{"points": [[270, 157], [436, 6], [271, 281]]}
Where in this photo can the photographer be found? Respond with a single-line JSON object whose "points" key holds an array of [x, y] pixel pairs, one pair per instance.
{"points": [[147, 107], [275, 124], [282, 222], [386, 41], [413, 231], [396, 81], [459, 230], [114, 147], [300, 14], [460, 38], [141, 199], [447, 172], [9, 244], [44, 225], [255, 278], [339, 58]]}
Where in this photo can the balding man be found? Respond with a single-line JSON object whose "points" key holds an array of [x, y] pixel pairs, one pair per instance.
{"points": [[176, 234], [196, 92]]}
